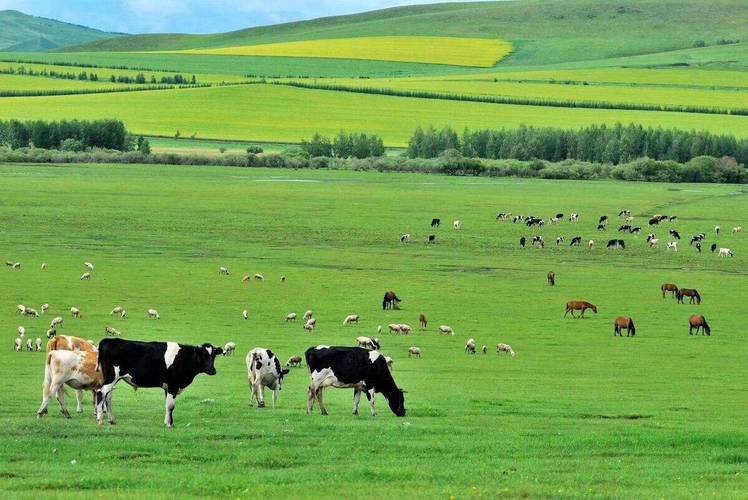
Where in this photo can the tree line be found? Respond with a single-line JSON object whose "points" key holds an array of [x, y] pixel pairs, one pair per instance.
{"points": [[73, 134], [139, 79], [344, 145], [596, 143]]}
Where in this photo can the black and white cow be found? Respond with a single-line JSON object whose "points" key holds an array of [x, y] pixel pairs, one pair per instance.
{"points": [[352, 367], [576, 241], [263, 370], [616, 244], [167, 365]]}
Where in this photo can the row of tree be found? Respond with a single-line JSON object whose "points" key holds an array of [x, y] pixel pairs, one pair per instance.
{"points": [[597, 143], [344, 145], [71, 135], [139, 79]]}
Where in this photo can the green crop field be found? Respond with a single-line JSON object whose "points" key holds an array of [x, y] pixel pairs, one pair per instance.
{"points": [[34, 83], [577, 413]]}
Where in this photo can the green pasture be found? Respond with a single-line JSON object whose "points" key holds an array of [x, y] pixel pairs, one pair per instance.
{"points": [[34, 83], [577, 413]]}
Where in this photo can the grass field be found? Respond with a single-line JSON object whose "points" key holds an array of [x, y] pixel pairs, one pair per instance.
{"points": [[578, 413], [475, 52], [272, 113], [34, 83]]}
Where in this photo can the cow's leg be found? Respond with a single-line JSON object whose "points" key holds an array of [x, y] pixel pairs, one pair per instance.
{"points": [[321, 401], [170, 402], [79, 401], [47, 393], [370, 398], [356, 399], [105, 402], [311, 396], [276, 390], [61, 400], [260, 394], [251, 392]]}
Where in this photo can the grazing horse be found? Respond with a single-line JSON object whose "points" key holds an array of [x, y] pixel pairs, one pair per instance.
{"points": [[552, 278], [422, 321], [577, 305], [624, 322], [390, 301], [435, 222], [669, 287], [691, 293], [698, 321]]}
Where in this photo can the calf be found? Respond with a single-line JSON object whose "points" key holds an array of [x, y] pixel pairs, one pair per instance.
{"points": [[166, 365], [352, 367], [263, 370], [77, 369]]}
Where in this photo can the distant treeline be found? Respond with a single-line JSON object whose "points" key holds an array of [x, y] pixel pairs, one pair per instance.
{"points": [[597, 143], [73, 135], [520, 101], [139, 79], [86, 65], [344, 145], [96, 90]]}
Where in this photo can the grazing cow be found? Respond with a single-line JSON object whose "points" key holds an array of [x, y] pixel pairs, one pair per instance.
{"points": [[368, 343], [621, 323], [290, 317], [503, 216], [654, 242], [624, 229], [591, 244], [294, 361], [259, 277], [624, 213], [436, 222], [352, 367], [470, 346], [522, 241], [539, 241], [516, 219], [559, 240], [264, 370], [414, 352], [615, 244], [245, 314], [45, 308], [165, 365], [714, 246], [574, 217], [422, 321], [716, 230], [669, 287], [76, 313], [446, 330], [432, 238], [390, 301], [351, 319], [559, 215], [116, 310], [110, 330], [577, 305], [697, 238], [223, 270], [38, 344], [603, 220], [675, 234], [672, 245], [457, 225], [552, 278], [738, 229], [636, 230], [85, 276], [153, 314], [555, 220], [505, 348], [70, 343], [394, 328], [405, 238], [602, 227], [725, 252], [229, 348], [698, 246], [654, 221], [77, 369], [691, 293], [576, 241], [535, 222], [308, 315], [18, 344], [698, 321]]}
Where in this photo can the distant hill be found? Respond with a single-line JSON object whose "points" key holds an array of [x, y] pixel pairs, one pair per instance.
{"points": [[542, 31], [20, 32]]}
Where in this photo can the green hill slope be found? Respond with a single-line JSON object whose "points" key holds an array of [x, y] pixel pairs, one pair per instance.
{"points": [[542, 31], [23, 33]]}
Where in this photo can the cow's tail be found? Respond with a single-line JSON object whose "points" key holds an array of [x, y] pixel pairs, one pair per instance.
{"points": [[633, 328], [698, 297]]}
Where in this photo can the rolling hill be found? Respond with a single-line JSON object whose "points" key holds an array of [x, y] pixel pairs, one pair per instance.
{"points": [[20, 32], [542, 31]]}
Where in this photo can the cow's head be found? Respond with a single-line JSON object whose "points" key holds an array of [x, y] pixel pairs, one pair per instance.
{"points": [[397, 403], [206, 355]]}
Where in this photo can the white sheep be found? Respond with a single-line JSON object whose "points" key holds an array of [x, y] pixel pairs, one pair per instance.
{"points": [[57, 321], [738, 229], [350, 319], [310, 325], [484, 349], [457, 225], [245, 314], [110, 330], [44, 266], [29, 344], [290, 317], [153, 314], [470, 346], [506, 348], [405, 329], [654, 242], [394, 328], [223, 270], [20, 309], [85, 276], [88, 265], [38, 343], [259, 277], [308, 315], [51, 333], [446, 330], [229, 348], [414, 352], [76, 313], [123, 314], [30, 311], [117, 310], [45, 308], [246, 278], [21, 331], [16, 265], [368, 343], [18, 344], [591, 244]]}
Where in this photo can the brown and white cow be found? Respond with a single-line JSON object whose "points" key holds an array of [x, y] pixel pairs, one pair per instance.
{"points": [[70, 343], [77, 369]]}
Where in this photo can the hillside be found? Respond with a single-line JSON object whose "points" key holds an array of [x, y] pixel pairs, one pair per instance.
{"points": [[20, 32], [542, 31]]}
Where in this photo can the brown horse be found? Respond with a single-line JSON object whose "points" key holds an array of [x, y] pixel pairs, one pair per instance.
{"points": [[698, 321], [390, 301], [422, 321], [624, 322], [669, 287], [691, 293], [551, 278], [577, 305]]}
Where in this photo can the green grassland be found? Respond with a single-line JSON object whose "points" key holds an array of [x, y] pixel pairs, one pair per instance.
{"points": [[207, 147], [578, 413], [34, 83], [272, 113]]}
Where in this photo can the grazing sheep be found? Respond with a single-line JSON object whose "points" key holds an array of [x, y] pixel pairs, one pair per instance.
{"points": [[45, 308], [21, 331], [18, 345], [716, 230], [153, 314], [223, 270], [123, 314], [38, 344], [44, 266], [405, 329], [85, 276], [20, 309], [245, 314], [283, 279], [116, 310], [389, 362], [51, 333], [294, 361], [470, 346], [725, 252], [672, 245], [290, 317], [591, 244], [505, 348], [394, 328], [110, 330], [76, 313], [16, 265], [368, 343], [31, 312], [229, 348], [350, 319], [414, 352], [484, 349], [259, 277], [457, 225], [29, 344], [738, 229], [310, 325], [308, 315], [446, 330], [8, 264], [56, 322], [246, 277], [88, 265]]}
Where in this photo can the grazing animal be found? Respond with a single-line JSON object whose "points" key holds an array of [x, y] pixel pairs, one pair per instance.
{"points": [[21, 331], [505, 348], [621, 323], [368, 343], [591, 244], [725, 252], [698, 246], [166, 365], [85, 276], [30, 311], [45, 308], [51, 333], [470, 346], [223, 270], [555, 220], [88, 265], [698, 321], [738, 229], [76, 344], [484, 349], [405, 238], [283, 279], [259, 277], [503, 216], [229, 348], [636, 230], [559, 240], [552, 278], [615, 244], [245, 314], [310, 324], [602, 227], [394, 328], [654, 242], [539, 241], [603, 220], [9, 264], [672, 245], [574, 217], [264, 370], [110, 330], [522, 241], [123, 314], [436, 222], [654, 221], [290, 317], [697, 238], [405, 329], [246, 278], [691, 293], [57, 321], [716, 230], [390, 301], [76, 313], [20, 309], [38, 344], [669, 287], [422, 321], [432, 238], [76, 369], [351, 367], [579, 305], [18, 344], [44, 266], [294, 361], [576, 241], [457, 225], [675, 234], [153, 314], [351, 319], [414, 352], [714, 246], [446, 330], [559, 215], [308, 315], [29, 344], [116, 310], [624, 213], [624, 229]]}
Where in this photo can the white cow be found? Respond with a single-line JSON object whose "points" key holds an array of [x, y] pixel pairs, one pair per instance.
{"points": [[263, 370]]}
